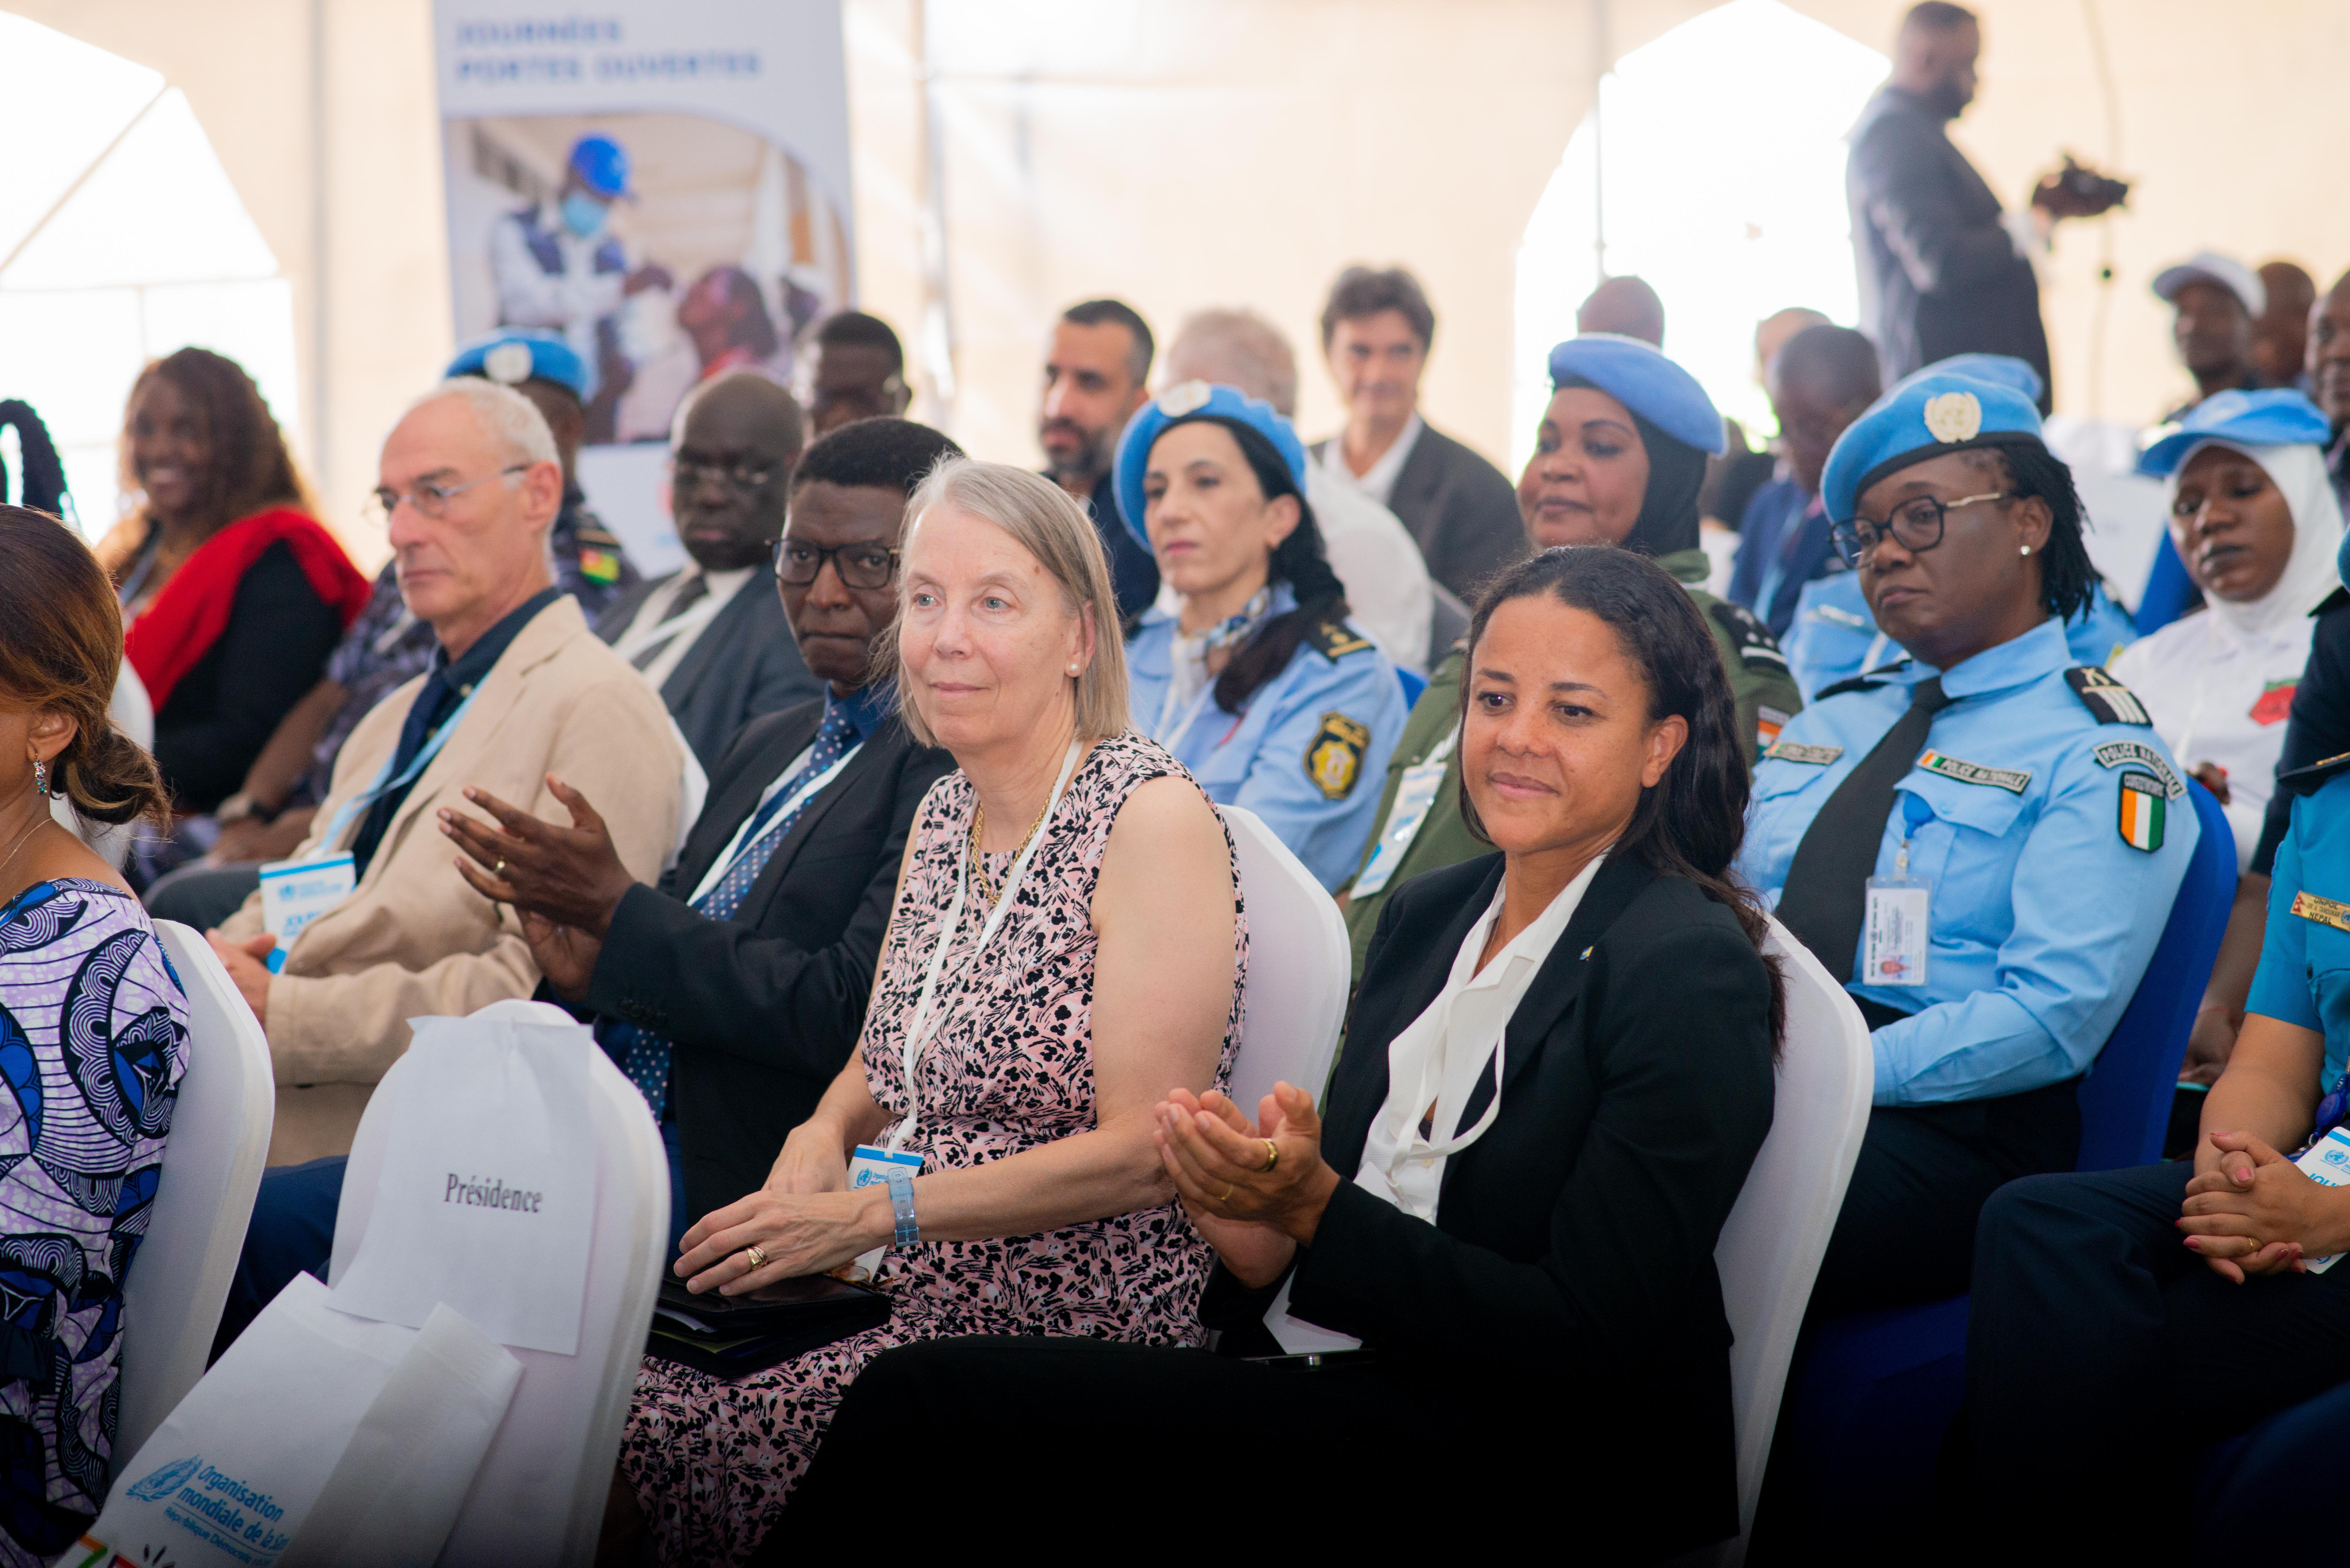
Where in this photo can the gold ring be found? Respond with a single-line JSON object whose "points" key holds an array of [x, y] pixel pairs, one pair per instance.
{"points": [[1271, 1153], [755, 1258], [499, 869], [1225, 1195]]}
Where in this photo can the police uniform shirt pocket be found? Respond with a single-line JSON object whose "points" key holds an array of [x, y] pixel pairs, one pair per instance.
{"points": [[1972, 886]]}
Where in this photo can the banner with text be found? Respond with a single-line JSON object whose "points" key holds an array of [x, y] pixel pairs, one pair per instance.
{"points": [[665, 185]]}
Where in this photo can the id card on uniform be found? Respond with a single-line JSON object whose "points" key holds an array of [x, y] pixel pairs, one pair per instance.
{"points": [[2327, 1163], [1415, 795], [295, 892], [1893, 938], [873, 1166]]}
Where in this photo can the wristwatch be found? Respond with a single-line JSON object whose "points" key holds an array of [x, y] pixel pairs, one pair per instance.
{"points": [[241, 805], [901, 1204]]}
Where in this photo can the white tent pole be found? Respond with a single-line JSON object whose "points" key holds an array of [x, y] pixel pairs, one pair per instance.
{"points": [[321, 445], [1598, 140]]}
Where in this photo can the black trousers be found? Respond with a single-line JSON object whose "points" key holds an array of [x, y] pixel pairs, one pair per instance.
{"points": [[2103, 1357], [1907, 1232], [1091, 1432]]}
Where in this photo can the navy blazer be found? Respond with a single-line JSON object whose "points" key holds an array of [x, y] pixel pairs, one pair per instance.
{"points": [[745, 663], [763, 1010], [1568, 1286]]}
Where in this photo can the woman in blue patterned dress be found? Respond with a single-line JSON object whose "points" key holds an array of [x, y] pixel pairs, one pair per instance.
{"points": [[93, 1038]]}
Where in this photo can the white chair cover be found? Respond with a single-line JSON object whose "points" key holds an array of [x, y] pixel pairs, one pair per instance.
{"points": [[1295, 999], [212, 1168], [1771, 1248], [538, 1497]]}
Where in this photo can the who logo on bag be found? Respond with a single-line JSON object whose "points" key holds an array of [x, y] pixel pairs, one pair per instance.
{"points": [[167, 1480]]}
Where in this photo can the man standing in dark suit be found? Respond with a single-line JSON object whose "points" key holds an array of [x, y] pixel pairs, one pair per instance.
{"points": [[1942, 269], [1459, 509], [710, 637], [733, 992]]}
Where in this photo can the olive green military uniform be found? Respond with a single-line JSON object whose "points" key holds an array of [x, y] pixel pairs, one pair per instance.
{"points": [[1759, 679]]}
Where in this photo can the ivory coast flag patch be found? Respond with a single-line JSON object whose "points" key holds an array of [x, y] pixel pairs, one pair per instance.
{"points": [[2143, 807]]}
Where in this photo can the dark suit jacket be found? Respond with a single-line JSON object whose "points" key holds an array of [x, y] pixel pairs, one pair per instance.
{"points": [[744, 663], [1460, 509], [761, 1011], [1939, 275], [1567, 1287]]}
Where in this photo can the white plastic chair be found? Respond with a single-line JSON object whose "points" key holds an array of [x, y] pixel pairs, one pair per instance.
{"points": [[1771, 1248], [1295, 995], [203, 1198], [538, 1497]]}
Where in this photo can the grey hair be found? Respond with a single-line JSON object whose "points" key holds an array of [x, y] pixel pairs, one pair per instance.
{"points": [[1047, 522], [505, 414], [1240, 349]]}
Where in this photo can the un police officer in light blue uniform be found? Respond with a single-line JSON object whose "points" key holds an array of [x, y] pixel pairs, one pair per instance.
{"points": [[1834, 636], [1991, 783], [1246, 670]]}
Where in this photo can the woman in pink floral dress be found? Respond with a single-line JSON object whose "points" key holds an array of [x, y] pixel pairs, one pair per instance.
{"points": [[1094, 947]]}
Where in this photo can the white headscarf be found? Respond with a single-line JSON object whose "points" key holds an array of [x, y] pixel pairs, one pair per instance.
{"points": [[2298, 471]]}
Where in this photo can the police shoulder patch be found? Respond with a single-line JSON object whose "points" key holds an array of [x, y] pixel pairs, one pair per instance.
{"points": [[1750, 638], [2105, 697], [2139, 754], [2142, 809], [1333, 760], [1334, 640], [2305, 781], [1837, 615]]}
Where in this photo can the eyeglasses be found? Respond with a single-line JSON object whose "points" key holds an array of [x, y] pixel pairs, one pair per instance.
{"points": [[690, 470], [1915, 524], [859, 565], [432, 499]]}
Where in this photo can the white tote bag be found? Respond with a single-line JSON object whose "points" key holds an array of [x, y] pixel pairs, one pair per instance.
{"points": [[486, 1198], [318, 1437]]}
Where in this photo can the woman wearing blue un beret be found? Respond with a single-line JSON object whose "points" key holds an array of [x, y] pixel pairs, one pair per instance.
{"points": [[1980, 840], [1247, 668]]}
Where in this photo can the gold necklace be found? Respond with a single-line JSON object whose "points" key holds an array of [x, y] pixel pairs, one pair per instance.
{"points": [[8, 859], [978, 862]]}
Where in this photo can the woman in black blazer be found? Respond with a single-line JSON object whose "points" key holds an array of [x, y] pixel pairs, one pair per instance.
{"points": [[1542, 1332]]}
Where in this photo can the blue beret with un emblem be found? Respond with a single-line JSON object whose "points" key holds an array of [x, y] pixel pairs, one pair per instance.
{"points": [[1924, 418], [1645, 382], [1183, 403], [2277, 417], [517, 355]]}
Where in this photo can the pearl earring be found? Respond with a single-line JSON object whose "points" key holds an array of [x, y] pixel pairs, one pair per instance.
{"points": [[2025, 550]]}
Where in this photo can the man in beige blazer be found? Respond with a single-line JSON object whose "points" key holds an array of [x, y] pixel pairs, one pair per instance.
{"points": [[519, 687]]}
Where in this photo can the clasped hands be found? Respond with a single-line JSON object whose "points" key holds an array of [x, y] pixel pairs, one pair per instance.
{"points": [[807, 1220], [564, 882], [2254, 1212], [1256, 1190]]}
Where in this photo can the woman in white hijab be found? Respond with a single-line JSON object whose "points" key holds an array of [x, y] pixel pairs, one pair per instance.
{"points": [[2255, 520]]}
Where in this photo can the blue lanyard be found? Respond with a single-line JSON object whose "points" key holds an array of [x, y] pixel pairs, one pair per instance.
{"points": [[384, 785]]}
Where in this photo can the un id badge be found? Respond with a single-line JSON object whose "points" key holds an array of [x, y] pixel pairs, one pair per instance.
{"points": [[2327, 1163], [1893, 939], [295, 892]]}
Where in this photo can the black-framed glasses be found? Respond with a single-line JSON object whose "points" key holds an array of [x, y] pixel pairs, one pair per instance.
{"points": [[797, 562], [1915, 524], [741, 475], [432, 499]]}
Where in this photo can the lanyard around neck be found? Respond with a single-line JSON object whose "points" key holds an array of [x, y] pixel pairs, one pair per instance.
{"points": [[918, 1028], [385, 783]]}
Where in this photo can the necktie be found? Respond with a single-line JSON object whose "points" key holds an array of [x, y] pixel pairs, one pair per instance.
{"points": [[1827, 893], [644, 1055], [689, 593]]}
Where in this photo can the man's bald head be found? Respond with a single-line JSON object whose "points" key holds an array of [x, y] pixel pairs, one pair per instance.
{"points": [[1819, 383], [1626, 307], [1770, 334], [737, 440], [1240, 349], [2329, 352], [1934, 56], [2280, 334]]}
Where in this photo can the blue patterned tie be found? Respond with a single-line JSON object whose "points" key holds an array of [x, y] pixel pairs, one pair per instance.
{"points": [[644, 1055]]}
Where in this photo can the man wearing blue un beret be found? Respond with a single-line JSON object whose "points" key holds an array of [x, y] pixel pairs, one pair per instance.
{"points": [[1979, 839]]}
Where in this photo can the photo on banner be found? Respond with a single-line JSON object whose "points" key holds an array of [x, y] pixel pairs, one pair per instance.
{"points": [[665, 186]]}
